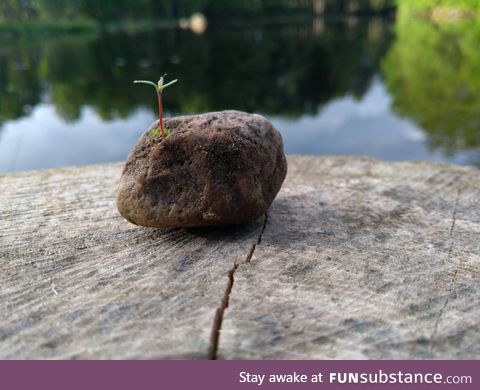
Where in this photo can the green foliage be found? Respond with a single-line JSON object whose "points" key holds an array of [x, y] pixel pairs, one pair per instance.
{"points": [[156, 133], [110, 10], [21, 89], [286, 71], [43, 29], [358, 6], [432, 72], [426, 6]]}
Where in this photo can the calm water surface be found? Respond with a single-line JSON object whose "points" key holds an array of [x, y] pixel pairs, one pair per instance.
{"points": [[331, 88]]}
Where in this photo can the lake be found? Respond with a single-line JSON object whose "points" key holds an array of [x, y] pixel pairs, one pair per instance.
{"points": [[369, 87]]}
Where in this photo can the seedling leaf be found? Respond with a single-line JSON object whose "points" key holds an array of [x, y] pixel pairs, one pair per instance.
{"points": [[145, 82], [170, 83]]}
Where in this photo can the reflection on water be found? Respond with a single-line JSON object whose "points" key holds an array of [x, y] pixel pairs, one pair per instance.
{"points": [[347, 126], [71, 102], [44, 140], [433, 73]]}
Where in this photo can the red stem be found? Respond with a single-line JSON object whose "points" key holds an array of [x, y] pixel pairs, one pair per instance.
{"points": [[160, 113]]}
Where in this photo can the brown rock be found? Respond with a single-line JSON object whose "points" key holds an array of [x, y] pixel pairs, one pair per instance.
{"points": [[218, 168]]}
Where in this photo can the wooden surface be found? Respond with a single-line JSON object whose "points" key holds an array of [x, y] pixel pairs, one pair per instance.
{"points": [[357, 258]]}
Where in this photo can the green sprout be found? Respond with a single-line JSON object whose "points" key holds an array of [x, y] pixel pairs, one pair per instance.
{"points": [[159, 87]]}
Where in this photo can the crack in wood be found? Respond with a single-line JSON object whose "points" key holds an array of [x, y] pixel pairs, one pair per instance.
{"points": [[259, 240], [219, 313], [454, 278], [218, 319]]}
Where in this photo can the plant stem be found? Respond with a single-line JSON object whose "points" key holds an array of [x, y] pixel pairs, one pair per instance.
{"points": [[160, 113]]}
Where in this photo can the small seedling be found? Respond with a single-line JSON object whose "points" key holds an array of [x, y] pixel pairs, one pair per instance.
{"points": [[159, 87], [155, 133]]}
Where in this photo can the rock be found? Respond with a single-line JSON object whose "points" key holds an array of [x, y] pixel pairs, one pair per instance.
{"points": [[219, 168]]}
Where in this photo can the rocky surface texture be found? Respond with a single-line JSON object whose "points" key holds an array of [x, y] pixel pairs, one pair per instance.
{"points": [[220, 168]]}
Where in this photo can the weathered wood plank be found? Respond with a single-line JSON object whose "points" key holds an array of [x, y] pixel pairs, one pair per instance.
{"points": [[362, 259], [359, 259], [78, 281]]}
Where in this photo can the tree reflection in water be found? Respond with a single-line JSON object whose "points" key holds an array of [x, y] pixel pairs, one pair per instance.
{"points": [[433, 73], [289, 71]]}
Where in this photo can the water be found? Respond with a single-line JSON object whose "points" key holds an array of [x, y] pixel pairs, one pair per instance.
{"points": [[342, 87]]}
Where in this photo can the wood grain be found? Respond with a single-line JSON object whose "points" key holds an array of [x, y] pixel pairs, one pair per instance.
{"points": [[362, 259], [78, 281], [358, 259]]}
